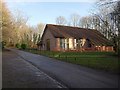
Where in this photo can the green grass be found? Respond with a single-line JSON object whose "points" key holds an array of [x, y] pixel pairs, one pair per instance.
{"points": [[107, 61]]}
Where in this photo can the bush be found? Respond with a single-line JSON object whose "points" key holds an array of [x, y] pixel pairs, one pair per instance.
{"points": [[17, 45], [23, 46], [3, 44]]}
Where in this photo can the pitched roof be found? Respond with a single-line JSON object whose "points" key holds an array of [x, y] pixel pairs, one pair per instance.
{"points": [[59, 31]]}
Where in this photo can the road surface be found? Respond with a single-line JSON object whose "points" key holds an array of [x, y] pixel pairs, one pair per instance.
{"points": [[17, 73], [70, 75]]}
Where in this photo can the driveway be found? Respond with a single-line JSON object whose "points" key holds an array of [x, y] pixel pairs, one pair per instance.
{"points": [[17, 73], [70, 75]]}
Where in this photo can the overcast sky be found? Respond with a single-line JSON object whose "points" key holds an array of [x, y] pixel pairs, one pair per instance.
{"points": [[46, 12]]}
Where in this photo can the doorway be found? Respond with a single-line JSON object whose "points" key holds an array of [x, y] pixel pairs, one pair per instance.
{"points": [[48, 44]]}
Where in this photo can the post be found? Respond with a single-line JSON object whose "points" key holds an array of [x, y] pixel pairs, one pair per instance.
{"points": [[53, 54], [88, 63], [66, 57], [75, 58]]}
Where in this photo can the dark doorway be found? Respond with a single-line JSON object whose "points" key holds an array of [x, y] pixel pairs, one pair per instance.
{"points": [[89, 43], [48, 44]]}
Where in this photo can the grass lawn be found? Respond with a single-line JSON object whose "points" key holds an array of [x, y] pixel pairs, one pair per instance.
{"points": [[107, 61]]}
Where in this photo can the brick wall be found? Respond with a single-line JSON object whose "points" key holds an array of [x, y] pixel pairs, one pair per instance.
{"points": [[48, 35], [104, 48]]}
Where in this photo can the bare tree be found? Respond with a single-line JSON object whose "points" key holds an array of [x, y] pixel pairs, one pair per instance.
{"points": [[21, 29], [40, 28], [61, 20], [115, 17], [86, 22], [74, 20], [108, 14]]}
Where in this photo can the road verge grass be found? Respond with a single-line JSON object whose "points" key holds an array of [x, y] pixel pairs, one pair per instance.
{"points": [[107, 61]]}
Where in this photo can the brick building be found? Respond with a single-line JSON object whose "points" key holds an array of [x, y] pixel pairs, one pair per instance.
{"points": [[66, 38]]}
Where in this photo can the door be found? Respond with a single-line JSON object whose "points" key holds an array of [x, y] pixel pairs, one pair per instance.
{"points": [[48, 44]]}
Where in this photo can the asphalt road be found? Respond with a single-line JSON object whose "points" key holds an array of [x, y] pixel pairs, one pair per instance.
{"points": [[18, 73], [70, 75], [0, 69]]}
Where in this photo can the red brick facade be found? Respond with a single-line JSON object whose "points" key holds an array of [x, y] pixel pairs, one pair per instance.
{"points": [[52, 41]]}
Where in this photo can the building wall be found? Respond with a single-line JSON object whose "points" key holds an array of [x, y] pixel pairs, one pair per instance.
{"points": [[48, 35], [69, 40], [85, 46], [72, 44], [55, 44], [104, 48]]}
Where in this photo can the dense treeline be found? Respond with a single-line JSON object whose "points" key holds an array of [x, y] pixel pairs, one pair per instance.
{"points": [[16, 32]]}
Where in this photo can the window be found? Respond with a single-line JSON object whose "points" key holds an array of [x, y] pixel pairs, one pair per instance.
{"points": [[62, 43], [78, 42]]}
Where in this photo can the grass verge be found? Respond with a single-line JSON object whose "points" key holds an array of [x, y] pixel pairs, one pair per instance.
{"points": [[107, 61]]}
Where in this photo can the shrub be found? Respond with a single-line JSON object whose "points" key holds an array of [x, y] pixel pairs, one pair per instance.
{"points": [[23, 46], [3, 44], [17, 45]]}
